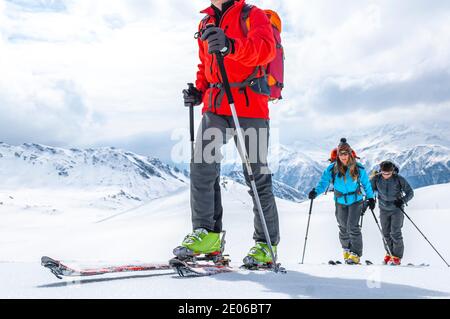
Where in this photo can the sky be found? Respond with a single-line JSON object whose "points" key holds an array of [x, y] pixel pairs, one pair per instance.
{"points": [[87, 73]]}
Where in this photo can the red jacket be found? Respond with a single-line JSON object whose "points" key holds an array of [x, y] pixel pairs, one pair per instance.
{"points": [[257, 49]]}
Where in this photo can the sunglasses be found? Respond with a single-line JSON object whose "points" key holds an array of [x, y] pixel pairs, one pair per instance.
{"points": [[344, 153], [386, 173]]}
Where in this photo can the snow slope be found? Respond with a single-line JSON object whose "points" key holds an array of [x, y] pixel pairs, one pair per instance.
{"points": [[149, 231]]}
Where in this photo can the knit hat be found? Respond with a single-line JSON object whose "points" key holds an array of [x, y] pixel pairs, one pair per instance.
{"points": [[344, 146]]}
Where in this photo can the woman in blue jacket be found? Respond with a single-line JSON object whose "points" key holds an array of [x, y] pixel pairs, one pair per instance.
{"points": [[349, 179]]}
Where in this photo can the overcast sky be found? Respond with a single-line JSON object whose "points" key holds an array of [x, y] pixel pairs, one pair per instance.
{"points": [[110, 72]]}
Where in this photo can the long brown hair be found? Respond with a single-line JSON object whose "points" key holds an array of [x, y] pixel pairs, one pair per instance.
{"points": [[341, 170]]}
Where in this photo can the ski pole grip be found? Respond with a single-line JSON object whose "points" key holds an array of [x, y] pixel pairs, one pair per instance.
{"points": [[191, 114]]}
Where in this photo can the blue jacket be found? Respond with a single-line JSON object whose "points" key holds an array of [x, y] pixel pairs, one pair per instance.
{"points": [[348, 186]]}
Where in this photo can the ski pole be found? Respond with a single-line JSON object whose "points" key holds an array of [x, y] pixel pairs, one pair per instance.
{"points": [[403, 211], [386, 246], [241, 146], [307, 229], [191, 121]]}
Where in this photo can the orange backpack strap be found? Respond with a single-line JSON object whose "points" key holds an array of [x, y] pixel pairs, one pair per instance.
{"points": [[275, 19]]}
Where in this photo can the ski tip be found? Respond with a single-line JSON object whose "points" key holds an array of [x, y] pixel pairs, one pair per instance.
{"points": [[53, 265], [47, 261]]}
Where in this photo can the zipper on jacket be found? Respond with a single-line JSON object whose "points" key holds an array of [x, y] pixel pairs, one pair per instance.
{"points": [[223, 15]]}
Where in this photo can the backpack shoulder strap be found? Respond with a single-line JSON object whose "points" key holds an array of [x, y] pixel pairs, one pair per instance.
{"points": [[375, 179], [333, 173], [399, 182], [359, 167], [245, 15], [201, 26], [204, 22]]}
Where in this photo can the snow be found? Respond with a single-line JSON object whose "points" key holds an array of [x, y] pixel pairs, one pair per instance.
{"points": [[82, 233]]}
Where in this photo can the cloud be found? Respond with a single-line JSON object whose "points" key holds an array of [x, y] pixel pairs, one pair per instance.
{"points": [[39, 5], [47, 112], [430, 88], [106, 71]]}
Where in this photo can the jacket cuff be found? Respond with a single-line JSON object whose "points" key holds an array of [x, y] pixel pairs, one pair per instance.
{"points": [[235, 45]]}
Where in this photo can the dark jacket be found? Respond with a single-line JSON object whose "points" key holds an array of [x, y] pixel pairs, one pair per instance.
{"points": [[388, 190]]}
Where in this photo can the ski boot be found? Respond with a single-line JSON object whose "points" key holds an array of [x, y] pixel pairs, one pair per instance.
{"points": [[259, 256], [346, 254], [353, 259], [396, 261], [387, 259], [202, 245]]}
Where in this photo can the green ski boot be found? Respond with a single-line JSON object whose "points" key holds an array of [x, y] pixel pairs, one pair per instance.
{"points": [[201, 245], [259, 255]]}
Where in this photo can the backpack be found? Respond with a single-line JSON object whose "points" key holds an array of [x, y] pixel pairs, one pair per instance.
{"points": [[275, 69]]}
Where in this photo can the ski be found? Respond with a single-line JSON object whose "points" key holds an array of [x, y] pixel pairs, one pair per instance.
{"points": [[187, 263], [60, 270], [338, 262], [188, 269], [370, 263], [251, 264], [193, 269], [279, 269], [411, 265]]}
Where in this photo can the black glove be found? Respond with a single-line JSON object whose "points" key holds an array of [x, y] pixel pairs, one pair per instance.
{"points": [[192, 96], [364, 207], [371, 203], [312, 194], [399, 203], [217, 40]]}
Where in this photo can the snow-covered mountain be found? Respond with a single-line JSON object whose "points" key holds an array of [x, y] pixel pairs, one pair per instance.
{"points": [[423, 155], [124, 174], [280, 189]]}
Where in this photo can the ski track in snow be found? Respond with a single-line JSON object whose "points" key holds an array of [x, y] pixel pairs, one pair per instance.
{"points": [[149, 232]]}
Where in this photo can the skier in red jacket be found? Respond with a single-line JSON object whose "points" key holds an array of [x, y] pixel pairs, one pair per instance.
{"points": [[245, 57]]}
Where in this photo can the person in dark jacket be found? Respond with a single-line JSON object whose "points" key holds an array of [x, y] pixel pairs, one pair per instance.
{"points": [[393, 192]]}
